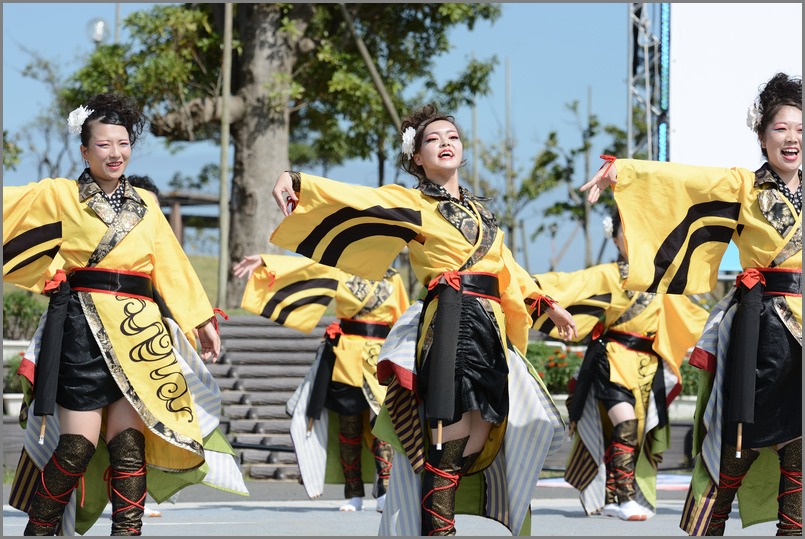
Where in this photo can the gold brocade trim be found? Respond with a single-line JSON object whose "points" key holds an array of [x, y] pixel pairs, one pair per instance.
{"points": [[792, 248], [788, 318], [772, 203], [159, 344]]}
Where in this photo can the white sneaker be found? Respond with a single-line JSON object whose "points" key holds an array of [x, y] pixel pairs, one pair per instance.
{"points": [[148, 512], [354, 504], [632, 510], [381, 503], [611, 510]]}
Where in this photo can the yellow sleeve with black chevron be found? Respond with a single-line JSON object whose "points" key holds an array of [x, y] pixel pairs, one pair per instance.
{"points": [[586, 294], [293, 291], [355, 228], [32, 231], [678, 221]]}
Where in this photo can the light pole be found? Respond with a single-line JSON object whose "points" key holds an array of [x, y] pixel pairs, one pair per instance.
{"points": [[98, 30]]}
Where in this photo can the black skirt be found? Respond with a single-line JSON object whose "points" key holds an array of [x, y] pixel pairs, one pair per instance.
{"points": [[85, 382], [778, 386], [481, 369]]}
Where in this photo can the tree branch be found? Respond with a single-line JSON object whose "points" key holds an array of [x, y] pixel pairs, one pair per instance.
{"points": [[181, 124]]}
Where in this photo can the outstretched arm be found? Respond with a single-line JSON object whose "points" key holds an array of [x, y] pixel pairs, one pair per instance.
{"points": [[606, 176]]}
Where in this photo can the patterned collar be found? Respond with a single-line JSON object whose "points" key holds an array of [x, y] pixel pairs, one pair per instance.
{"points": [[767, 175], [435, 190], [87, 187]]}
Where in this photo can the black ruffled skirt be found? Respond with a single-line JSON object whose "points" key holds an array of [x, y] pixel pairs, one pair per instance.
{"points": [[481, 368]]}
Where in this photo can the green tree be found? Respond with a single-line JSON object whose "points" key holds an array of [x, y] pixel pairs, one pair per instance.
{"points": [[301, 92], [11, 152]]}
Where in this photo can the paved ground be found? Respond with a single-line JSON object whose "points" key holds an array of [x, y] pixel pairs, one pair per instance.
{"points": [[277, 509]]}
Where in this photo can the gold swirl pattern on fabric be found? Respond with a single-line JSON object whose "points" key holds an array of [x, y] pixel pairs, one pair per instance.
{"points": [[156, 349], [113, 363], [460, 218], [489, 232]]}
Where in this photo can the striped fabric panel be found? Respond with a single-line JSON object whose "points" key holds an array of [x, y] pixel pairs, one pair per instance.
{"points": [[581, 467], [696, 516], [24, 484], [224, 473], [590, 432], [404, 414], [311, 452], [402, 515]]}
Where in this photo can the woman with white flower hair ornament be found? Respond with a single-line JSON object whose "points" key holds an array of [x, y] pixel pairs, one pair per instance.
{"points": [[678, 220], [462, 406], [118, 392], [630, 374]]}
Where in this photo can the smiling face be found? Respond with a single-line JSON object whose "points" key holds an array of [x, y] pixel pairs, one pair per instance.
{"points": [[107, 152], [441, 152], [782, 140]]}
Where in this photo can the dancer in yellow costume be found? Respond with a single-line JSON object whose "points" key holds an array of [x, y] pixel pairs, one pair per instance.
{"points": [[294, 291], [631, 367], [473, 329], [107, 374], [677, 220]]}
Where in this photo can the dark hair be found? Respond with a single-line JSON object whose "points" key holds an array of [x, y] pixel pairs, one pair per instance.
{"points": [[112, 109], [419, 120], [144, 182], [781, 91], [616, 221]]}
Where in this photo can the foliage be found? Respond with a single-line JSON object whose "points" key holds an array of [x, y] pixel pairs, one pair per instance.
{"points": [[21, 313], [11, 152], [11, 380], [556, 365]]}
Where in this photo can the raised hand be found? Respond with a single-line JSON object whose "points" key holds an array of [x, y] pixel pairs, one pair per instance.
{"points": [[283, 193], [606, 176], [246, 267]]}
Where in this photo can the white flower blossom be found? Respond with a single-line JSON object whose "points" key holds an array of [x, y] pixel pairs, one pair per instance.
{"points": [[77, 118], [408, 142], [753, 117], [608, 226]]}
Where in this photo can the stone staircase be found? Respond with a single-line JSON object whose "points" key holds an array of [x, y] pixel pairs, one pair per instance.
{"points": [[261, 365]]}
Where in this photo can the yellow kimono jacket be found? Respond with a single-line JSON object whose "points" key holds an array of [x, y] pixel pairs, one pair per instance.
{"points": [[294, 291], [677, 221], [361, 230], [74, 220], [598, 303]]}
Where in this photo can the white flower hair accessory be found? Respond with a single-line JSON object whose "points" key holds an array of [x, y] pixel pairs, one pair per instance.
{"points": [[408, 142], [753, 116], [608, 226], [77, 118]]}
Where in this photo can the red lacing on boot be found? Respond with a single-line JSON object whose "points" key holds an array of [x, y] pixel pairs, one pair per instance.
{"points": [[354, 466], [66, 495], [453, 478], [727, 482], [617, 448], [112, 474], [385, 471], [796, 478]]}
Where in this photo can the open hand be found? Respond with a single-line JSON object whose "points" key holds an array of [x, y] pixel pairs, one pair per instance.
{"points": [[605, 177], [246, 267], [563, 321]]}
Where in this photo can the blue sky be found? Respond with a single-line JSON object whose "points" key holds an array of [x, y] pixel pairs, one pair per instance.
{"points": [[557, 52]]}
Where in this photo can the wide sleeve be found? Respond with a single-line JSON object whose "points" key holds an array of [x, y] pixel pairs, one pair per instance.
{"points": [[32, 231], [176, 280], [357, 229], [293, 291], [678, 221], [680, 325], [518, 298], [586, 294], [402, 301]]}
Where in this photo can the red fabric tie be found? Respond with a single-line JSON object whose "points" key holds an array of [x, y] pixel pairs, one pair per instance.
{"points": [[610, 159], [55, 282], [333, 330], [215, 311], [750, 277], [451, 278]]}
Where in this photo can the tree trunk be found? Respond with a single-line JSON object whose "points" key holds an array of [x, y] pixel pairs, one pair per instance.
{"points": [[260, 138]]}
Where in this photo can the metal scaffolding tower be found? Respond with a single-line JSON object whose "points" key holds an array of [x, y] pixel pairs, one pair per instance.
{"points": [[647, 101]]}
